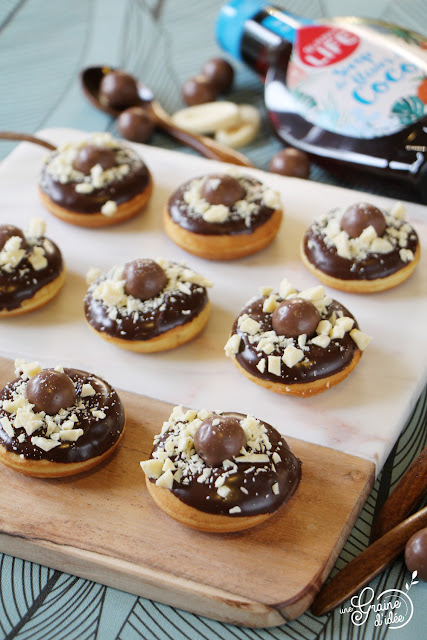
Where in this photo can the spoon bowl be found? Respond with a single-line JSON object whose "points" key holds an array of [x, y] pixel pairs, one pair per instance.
{"points": [[90, 80]]}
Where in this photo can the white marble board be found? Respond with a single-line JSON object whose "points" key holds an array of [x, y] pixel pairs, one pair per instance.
{"points": [[363, 415]]}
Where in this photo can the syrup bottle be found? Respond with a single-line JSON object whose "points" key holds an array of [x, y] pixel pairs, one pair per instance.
{"points": [[352, 92]]}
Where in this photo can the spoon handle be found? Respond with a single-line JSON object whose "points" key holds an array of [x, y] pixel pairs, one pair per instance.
{"points": [[368, 564], [206, 146], [11, 135], [410, 490]]}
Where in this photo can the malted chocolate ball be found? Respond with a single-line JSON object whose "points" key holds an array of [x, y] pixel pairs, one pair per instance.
{"points": [[118, 90], [416, 554], [198, 90], [222, 189], [135, 124], [294, 317], [219, 438], [144, 279], [290, 162], [360, 216], [90, 155], [50, 391], [220, 72], [8, 231]]}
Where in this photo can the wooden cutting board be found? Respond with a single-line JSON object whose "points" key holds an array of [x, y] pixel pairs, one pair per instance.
{"points": [[102, 525]]}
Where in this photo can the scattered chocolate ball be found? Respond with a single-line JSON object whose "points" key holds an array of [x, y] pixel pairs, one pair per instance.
{"points": [[219, 438], [290, 162], [222, 189], [50, 391], [144, 279], [198, 90], [416, 554], [118, 90], [360, 216], [7, 231], [90, 155], [135, 124], [220, 73], [294, 317]]}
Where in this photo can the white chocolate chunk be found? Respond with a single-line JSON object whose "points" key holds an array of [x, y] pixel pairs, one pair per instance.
{"points": [[98, 413], [44, 443], [323, 328], [87, 390], [11, 254], [381, 245], [250, 326], [398, 211], [292, 355], [406, 255], [84, 187], [28, 420], [276, 458], [12, 406], [342, 245], [216, 213], [152, 468], [337, 332], [368, 235], [165, 480], [110, 292], [37, 259], [7, 426], [261, 366], [274, 365], [265, 291], [253, 457], [321, 341], [361, 339], [270, 304], [168, 465], [345, 322], [92, 275], [285, 288], [70, 435], [313, 293], [27, 369], [232, 346], [36, 228], [223, 491], [235, 509], [275, 488], [271, 199]]}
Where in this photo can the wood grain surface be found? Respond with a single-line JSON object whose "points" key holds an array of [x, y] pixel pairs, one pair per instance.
{"points": [[103, 525]]}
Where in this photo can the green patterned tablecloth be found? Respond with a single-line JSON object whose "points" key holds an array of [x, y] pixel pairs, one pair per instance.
{"points": [[43, 45]]}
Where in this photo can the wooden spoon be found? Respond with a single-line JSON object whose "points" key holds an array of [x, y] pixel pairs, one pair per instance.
{"points": [[90, 79], [368, 564], [410, 490], [11, 135]]}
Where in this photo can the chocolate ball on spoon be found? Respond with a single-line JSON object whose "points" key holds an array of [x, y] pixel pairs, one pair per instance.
{"points": [[294, 317], [50, 391], [118, 90], [222, 189], [144, 279], [219, 438], [91, 155], [360, 216], [8, 231]]}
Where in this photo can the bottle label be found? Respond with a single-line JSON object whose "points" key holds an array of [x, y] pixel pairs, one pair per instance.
{"points": [[352, 86]]}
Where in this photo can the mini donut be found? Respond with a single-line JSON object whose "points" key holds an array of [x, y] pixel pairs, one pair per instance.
{"points": [[31, 269], [58, 422], [220, 472], [96, 182], [296, 343], [147, 305], [223, 216], [361, 249]]}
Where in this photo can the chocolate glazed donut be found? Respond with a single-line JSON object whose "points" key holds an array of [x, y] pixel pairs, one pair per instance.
{"points": [[23, 282], [99, 434]]}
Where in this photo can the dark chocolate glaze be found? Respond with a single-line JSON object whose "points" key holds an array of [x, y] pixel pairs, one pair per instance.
{"points": [[99, 434], [177, 209], [374, 266], [23, 282], [322, 362], [260, 497], [151, 323], [121, 190]]}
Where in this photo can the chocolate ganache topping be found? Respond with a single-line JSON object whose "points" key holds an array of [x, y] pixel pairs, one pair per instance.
{"points": [[291, 359], [28, 262], [332, 246], [87, 428], [260, 478], [110, 309], [71, 180], [223, 204]]}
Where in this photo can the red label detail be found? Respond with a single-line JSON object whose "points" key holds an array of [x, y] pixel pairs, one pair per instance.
{"points": [[319, 46]]}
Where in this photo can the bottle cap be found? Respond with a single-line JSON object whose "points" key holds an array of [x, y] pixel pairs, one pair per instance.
{"points": [[230, 23]]}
